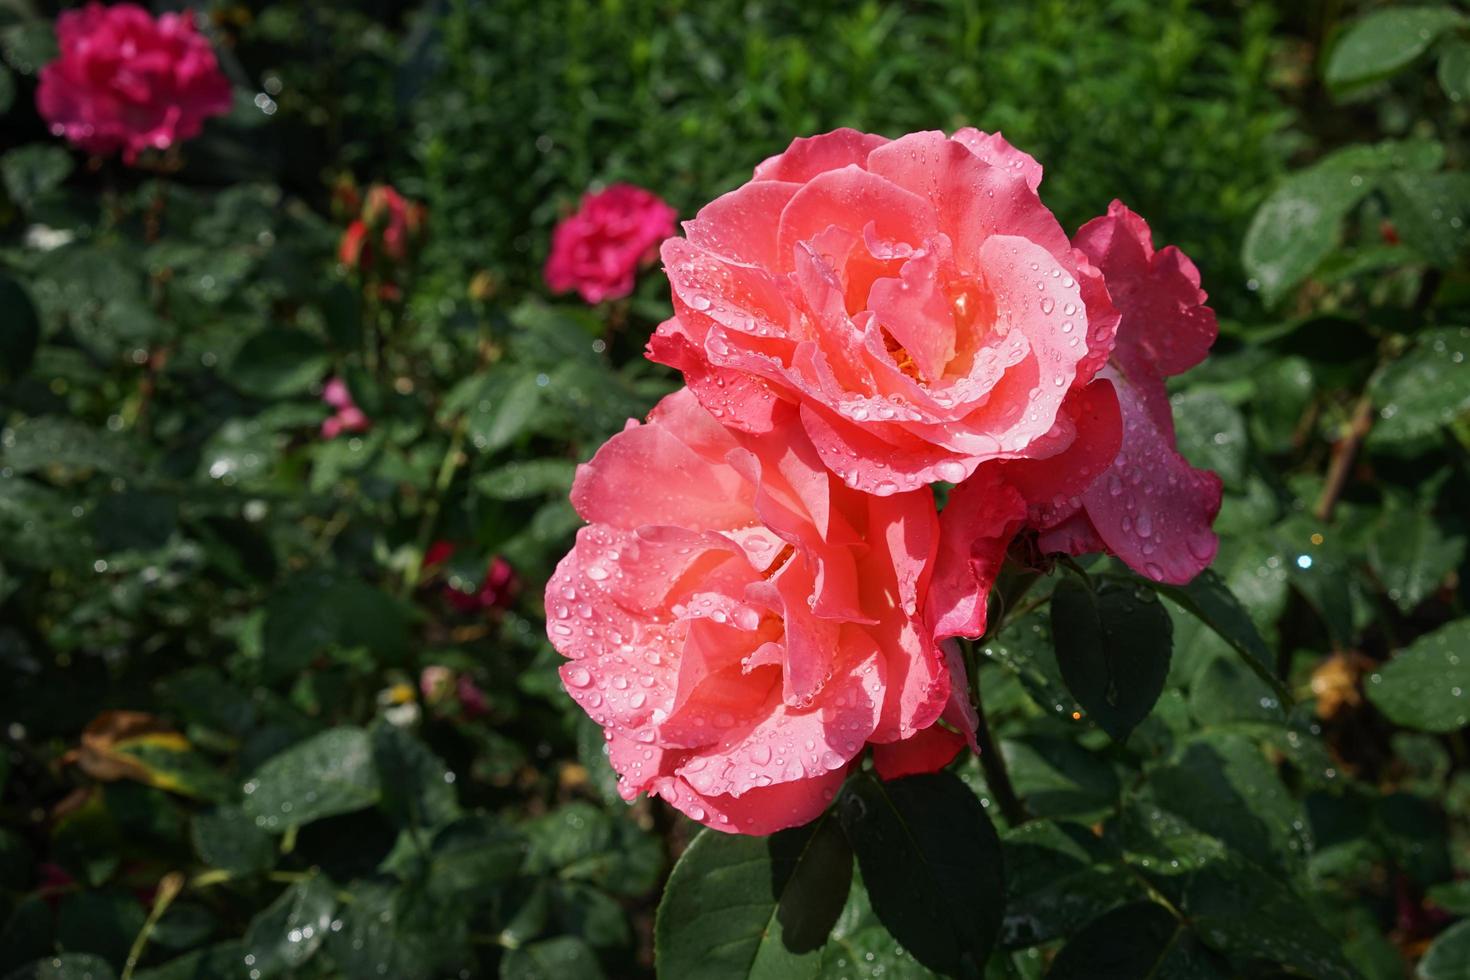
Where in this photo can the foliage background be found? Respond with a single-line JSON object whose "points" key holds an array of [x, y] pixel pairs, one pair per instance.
{"points": [[177, 541]]}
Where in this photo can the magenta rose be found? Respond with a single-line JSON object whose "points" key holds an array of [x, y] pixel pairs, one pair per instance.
{"points": [[598, 249], [127, 82]]}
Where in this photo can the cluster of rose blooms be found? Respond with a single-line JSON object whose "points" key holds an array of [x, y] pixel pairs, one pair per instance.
{"points": [[766, 587]]}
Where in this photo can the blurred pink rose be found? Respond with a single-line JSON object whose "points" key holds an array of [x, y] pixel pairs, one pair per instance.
{"points": [[597, 250], [347, 417], [742, 624], [913, 299], [496, 591], [125, 81]]}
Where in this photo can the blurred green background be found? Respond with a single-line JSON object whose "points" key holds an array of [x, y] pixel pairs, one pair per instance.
{"points": [[248, 734]]}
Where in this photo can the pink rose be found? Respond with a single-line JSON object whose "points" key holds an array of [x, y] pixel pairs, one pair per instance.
{"points": [[597, 250], [1120, 486], [913, 300], [496, 591], [742, 624], [125, 81], [347, 417]]}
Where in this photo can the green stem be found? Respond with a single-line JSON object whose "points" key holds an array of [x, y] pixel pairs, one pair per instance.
{"points": [[447, 467], [997, 776], [168, 890]]}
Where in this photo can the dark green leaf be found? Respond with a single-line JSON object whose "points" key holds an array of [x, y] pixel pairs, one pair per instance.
{"points": [[325, 775], [1058, 876], [932, 864], [527, 478], [564, 958], [740, 906], [1454, 69], [1245, 913], [69, 966], [1384, 42], [1448, 957], [278, 362], [1129, 942], [51, 442], [20, 331], [1412, 555], [1208, 598], [290, 930], [1424, 685], [32, 171], [315, 611], [391, 932], [103, 923], [211, 963], [505, 410], [1425, 389], [1431, 213], [417, 788], [1300, 222], [228, 839], [1113, 646]]}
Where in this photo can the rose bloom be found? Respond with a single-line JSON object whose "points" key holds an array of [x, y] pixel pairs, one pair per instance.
{"points": [[389, 224], [127, 82], [496, 590], [1121, 486], [598, 249], [742, 625], [346, 417], [912, 298]]}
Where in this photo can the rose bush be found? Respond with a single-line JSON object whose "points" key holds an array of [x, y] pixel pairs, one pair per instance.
{"points": [[741, 623], [597, 249], [125, 81]]}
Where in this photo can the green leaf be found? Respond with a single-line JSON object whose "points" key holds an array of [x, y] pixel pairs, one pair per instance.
{"points": [[278, 362], [1431, 213], [7, 89], [1384, 42], [1452, 896], [20, 331], [1211, 433], [50, 442], [1425, 685], [290, 930], [325, 775], [506, 409], [417, 788], [1059, 778], [219, 960], [1448, 957], [1425, 389], [473, 857], [563, 958], [1058, 876], [1300, 222], [1113, 646], [1412, 555], [228, 839], [739, 906], [1454, 69], [527, 478], [932, 864], [399, 933], [315, 611], [1209, 600], [1245, 913], [69, 966], [1129, 942], [31, 172], [103, 923], [1222, 785]]}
